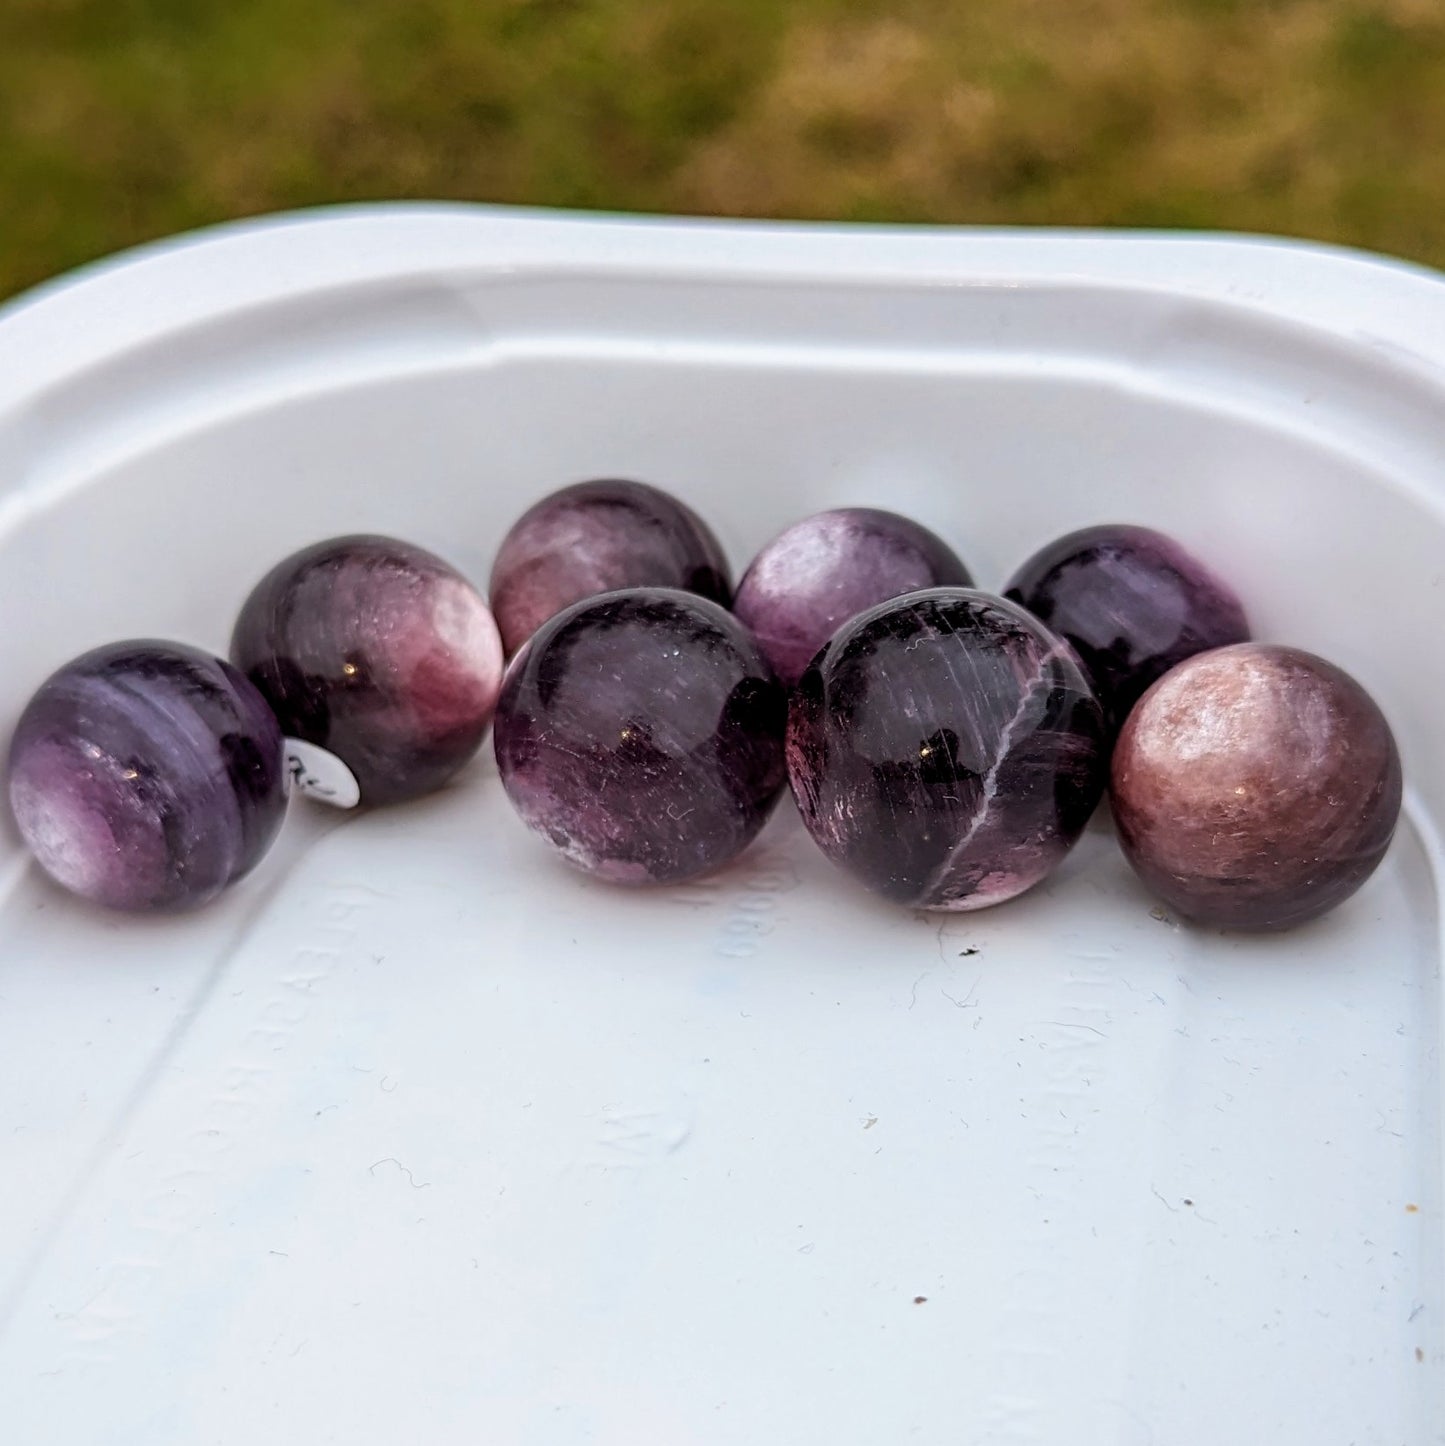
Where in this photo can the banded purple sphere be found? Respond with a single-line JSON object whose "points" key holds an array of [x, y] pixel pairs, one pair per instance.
{"points": [[379, 652], [946, 749], [597, 537], [1132, 602], [1256, 787], [808, 581], [147, 776], [641, 734]]}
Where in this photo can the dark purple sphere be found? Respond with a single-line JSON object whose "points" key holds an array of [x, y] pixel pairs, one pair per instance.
{"points": [[598, 537], [1256, 787], [381, 653], [808, 581], [1132, 602], [641, 734], [147, 775], [946, 749]]}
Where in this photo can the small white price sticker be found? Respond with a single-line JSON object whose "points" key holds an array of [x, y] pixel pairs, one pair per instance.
{"points": [[320, 775]]}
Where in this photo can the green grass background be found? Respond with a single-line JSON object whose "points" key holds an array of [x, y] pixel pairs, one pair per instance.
{"points": [[123, 120]]}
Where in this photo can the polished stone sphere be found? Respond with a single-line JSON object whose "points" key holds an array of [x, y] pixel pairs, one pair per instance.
{"points": [[147, 775], [1255, 787], [641, 734], [808, 581], [945, 749], [597, 537], [1132, 602], [379, 652]]}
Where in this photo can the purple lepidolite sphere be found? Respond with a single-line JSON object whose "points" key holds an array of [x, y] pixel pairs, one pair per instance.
{"points": [[808, 581], [381, 653], [1132, 602], [147, 775], [946, 749], [641, 734], [1255, 787], [598, 537]]}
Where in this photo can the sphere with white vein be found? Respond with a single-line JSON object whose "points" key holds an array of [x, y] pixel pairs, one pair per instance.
{"points": [[946, 749]]}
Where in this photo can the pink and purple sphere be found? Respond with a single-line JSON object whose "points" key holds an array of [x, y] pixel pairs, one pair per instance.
{"points": [[946, 750], [640, 733], [147, 776], [1132, 602], [597, 537], [810, 579], [379, 652]]}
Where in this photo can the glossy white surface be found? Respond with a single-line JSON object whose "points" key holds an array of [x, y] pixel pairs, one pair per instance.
{"points": [[417, 1136]]}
